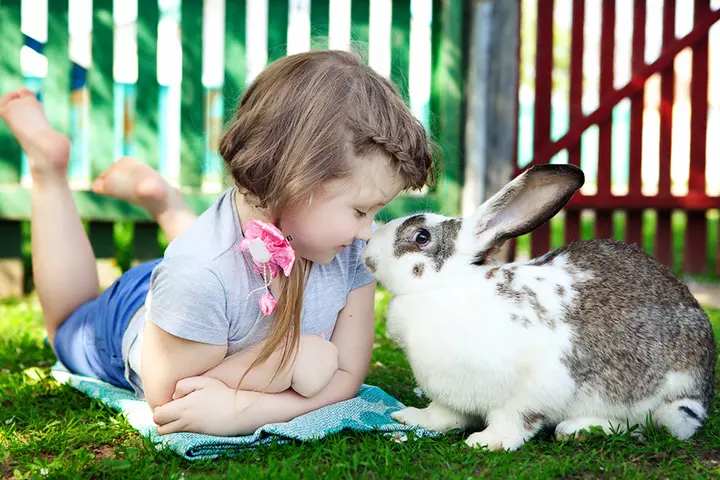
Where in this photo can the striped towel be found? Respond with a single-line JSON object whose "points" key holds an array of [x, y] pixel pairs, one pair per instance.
{"points": [[369, 411]]}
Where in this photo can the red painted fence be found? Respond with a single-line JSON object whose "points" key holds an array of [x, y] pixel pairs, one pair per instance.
{"points": [[696, 202]]}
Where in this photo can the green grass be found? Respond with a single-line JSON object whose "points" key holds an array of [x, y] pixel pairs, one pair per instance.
{"points": [[53, 431]]}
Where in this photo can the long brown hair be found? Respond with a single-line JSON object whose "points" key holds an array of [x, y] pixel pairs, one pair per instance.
{"points": [[295, 129]]}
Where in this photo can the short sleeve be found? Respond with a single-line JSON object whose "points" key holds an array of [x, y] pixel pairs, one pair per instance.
{"points": [[361, 275], [188, 300]]}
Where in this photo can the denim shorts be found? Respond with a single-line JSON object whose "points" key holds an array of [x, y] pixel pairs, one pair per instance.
{"points": [[89, 342]]}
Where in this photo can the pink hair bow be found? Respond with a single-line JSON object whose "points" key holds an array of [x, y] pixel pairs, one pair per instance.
{"points": [[271, 253]]}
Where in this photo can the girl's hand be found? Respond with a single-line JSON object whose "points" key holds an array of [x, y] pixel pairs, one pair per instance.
{"points": [[204, 405]]}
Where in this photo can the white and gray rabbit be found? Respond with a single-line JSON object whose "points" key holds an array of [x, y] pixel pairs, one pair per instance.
{"points": [[593, 334]]}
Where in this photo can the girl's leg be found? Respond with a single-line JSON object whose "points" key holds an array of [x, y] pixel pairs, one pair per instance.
{"points": [[137, 183], [64, 267]]}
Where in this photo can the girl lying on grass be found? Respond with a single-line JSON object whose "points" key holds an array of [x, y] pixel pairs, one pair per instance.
{"points": [[260, 309]]}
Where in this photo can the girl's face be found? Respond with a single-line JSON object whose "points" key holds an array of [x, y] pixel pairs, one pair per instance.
{"points": [[342, 212]]}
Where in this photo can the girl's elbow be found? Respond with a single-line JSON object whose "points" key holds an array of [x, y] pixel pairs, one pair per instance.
{"points": [[352, 387]]}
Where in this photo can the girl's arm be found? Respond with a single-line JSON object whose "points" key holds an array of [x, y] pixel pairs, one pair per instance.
{"points": [[308, 371], [167, 359], [206, 405], [186, 330]]}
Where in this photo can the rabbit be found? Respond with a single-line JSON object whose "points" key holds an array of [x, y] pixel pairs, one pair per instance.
{"points": [[596, 333]]}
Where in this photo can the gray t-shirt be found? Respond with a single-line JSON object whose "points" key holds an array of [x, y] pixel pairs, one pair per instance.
{"points": [[205, 289]]}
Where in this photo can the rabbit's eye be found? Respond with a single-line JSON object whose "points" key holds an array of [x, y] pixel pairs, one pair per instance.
{"points": [[421, 236]]}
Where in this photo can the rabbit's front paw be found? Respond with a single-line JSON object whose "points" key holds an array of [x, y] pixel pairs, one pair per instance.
{"points": [[434, 417], [496, 440]]}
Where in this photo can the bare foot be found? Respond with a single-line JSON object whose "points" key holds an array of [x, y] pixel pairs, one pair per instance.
{"points": [[134, 182], [47, 149]]}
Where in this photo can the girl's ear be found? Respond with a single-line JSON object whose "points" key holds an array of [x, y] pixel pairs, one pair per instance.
{"points": [[524, 204]]}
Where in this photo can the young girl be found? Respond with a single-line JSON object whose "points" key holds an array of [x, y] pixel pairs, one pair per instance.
{"points": [[319, 143]]}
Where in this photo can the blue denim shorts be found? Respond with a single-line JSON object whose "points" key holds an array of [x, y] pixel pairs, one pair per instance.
{"points": [[89, 342]]}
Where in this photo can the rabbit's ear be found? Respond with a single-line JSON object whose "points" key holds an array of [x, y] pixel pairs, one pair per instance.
{"points": [[524, 204]]}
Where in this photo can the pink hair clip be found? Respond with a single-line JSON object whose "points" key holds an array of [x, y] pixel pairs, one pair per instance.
{"points": [[270, 252]]}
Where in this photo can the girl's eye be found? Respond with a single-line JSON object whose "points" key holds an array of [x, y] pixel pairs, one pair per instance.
{"points": [[360, 214], [421, 237]]}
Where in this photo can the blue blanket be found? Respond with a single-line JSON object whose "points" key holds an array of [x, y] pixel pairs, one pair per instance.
{"points": [[369, 411]]}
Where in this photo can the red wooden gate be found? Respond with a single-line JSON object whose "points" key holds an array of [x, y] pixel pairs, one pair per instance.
{"points": [[696, 202]]}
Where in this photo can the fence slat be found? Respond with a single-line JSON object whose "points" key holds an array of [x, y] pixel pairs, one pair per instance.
{"points": [[577, 46], [100, 131], [192, 117], [699, 104], [400, 47], [235, 60], [637, 101], [667, 99], [696, 244], [145, 147], [235, 56], [360, 23], [10, 79], [603, 218], [663, 247], [319, 24], [57, 101], [277, 29], [446, 97], [540, 237], [637, 106]]}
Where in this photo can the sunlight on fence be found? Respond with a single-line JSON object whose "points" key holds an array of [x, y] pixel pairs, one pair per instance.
{"points": [[680, 155], [172, 70]]}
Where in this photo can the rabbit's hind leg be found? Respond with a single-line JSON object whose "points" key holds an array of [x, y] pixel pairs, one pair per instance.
{"points": [[682, 417]]}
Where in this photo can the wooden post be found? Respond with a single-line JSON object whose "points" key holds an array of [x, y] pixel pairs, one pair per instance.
{"points": [[491, 100], [491, 123]]}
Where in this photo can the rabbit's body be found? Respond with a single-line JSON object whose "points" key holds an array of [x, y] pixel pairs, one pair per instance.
{"points": [[558, 347], [595, 333]]}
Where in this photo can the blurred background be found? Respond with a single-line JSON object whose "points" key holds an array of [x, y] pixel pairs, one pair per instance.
{"points": [[628, 90]]}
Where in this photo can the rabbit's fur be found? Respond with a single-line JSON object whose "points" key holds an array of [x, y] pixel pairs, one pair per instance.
{"points": [[593, 334]]}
